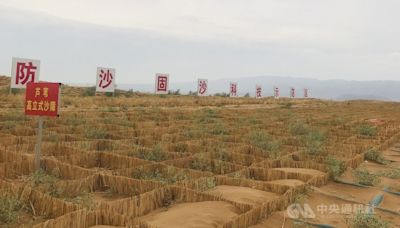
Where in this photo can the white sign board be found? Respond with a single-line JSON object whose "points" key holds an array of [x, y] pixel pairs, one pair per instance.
{"points": [[306, 93], [105, 80], [292, 92], [24, 71], [258, 91], [276, 92], [233, 89], [202, 87], [162, 83]]}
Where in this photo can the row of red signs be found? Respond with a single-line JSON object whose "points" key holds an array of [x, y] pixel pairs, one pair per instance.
{"points": [[26, 70], [43, 98]]}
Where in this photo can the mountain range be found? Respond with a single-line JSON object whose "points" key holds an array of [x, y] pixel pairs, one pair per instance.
{"points": [[326, 89]]}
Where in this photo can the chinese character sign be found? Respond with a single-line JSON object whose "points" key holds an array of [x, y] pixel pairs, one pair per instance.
{"points": [[276, 92], [258, 91], [105, 80], [292, 93], [162, 83], [42, 99], [233, 89], [24, 71], [306, 93], [202, 87]]}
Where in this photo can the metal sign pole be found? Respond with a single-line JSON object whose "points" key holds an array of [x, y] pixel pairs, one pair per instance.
{"points": [[39, 142]]}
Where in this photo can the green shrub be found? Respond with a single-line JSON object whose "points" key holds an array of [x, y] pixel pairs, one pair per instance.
{"points": [[392, 173], [298, 128], [219, 129], [85, 199], [336, 168], [15, 116], [10, 208], [373, 155], [209, 183], [74, 120], [261, 139], [170, 177], [364, 220], [89, 91], [315, 143], [181, 147], [47, 181], [155, 154], [363, 176], [286, 105], [201, 163], [221, 94], [93, 133], [367, 130]]}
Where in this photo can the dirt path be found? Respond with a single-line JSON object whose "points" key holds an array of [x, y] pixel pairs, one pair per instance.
{"points": [[244, 195], [205, 214]]}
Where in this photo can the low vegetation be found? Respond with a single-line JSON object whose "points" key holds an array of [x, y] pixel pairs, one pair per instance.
{"points": [[155, 154], [367, 130], [315, 143], [335, 167], [363, 176], [375, 156], [262, 140], [171, 176], [10, 208], [363, 220]]}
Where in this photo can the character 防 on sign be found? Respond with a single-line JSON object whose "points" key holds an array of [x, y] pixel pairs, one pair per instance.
{"points": [[233, 89], [42, 99], [24, 71], [292, 93], [105, 80], [202, 87], [258, 91], [162, 83], [276, 92]]}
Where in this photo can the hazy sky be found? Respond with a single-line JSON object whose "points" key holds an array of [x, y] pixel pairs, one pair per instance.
{"points": [[324, 39]]}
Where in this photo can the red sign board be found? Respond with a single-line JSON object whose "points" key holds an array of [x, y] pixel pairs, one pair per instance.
{"points": [[42, 99]]}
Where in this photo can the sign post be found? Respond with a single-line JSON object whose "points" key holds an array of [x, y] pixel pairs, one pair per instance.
{"points": [[38, 145], [41, 99]]}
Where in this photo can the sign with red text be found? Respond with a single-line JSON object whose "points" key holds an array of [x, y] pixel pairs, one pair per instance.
{"points": [[233, 89], [276, 92], [24, 71], [202, 87], [306, 93], [105, 80], [162, 83], [42, 99], [258, 92], [292, 92]]}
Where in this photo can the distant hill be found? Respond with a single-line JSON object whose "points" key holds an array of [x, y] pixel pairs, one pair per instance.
{"points": [[325, 89]]}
